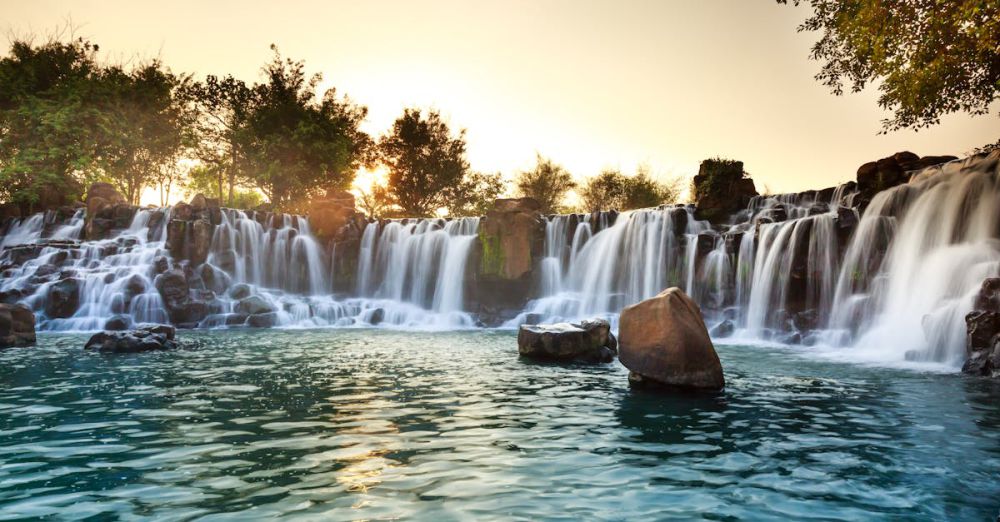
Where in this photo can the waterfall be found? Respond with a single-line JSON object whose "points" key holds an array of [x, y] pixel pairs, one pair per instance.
{"points": [[914, 266]]}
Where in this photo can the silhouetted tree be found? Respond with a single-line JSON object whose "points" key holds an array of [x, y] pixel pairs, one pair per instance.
{"points": [[613, 190], [376, 200], [927, 58], [424, 161], [548, 183]]}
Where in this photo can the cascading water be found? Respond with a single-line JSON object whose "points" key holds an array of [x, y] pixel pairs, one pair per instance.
{"points": [[892, 284]]}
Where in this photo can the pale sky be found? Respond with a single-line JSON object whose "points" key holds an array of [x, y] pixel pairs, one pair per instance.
{"points": [[591, 84]]}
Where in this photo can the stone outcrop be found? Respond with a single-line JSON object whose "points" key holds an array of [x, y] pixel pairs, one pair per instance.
{"points": [[587, 341], [17, 325], [888, 172], [143, 338], [182, 308], [721, 188], [63, 298], [335, 220], [983, 332], [663, 342], [191, 227], [511, 240], [107, 210]]}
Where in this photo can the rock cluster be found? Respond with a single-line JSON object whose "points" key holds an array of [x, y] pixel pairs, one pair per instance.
{"points": [[107, 210], [588, 341], [190, 230], [875, 176], [141, 339], [721, 189], [17, 325], [335, 220], [983, 332], [663, 342]]}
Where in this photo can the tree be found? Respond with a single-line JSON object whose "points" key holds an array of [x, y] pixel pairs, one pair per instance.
{"points": [[48, 122], [144, 126], [293, 146], [424, 161], [223, 107], [604, 191], [203, 179], [613, 190], [929, 58], [475, 194], [547, 183], [376, 201]]}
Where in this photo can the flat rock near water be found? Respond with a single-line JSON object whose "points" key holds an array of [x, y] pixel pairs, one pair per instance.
{"points": [[17, 325], [141, 339], [586, 341], [664, 342]]}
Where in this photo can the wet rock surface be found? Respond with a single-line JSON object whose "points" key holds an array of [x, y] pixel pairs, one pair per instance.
{"points": [[663, 342], [983, 332], [588, 341], [143, 338], [17, 325]]}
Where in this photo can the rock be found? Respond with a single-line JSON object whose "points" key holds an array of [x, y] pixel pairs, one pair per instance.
{"points": [[176, 293], [330, 214], [199, 202], [63, 298], [200, 241], [118, 322], [102, 195], [982, 327], [143, 338], [721, 188], [17, 325], [663, 341], [588, 341], [511, 240], [517, 205], [264, 320], [376, 317], [160, 265], [724, 329], [253, 305], [240, 291]]}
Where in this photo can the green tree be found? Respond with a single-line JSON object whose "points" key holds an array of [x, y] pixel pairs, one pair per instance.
{"points": [[425, 161], [613, 190], [475, 194], [223, 106], [48, 122], [294, 146], [145, 128], [203, 179], [547, 183], [929, 58]]}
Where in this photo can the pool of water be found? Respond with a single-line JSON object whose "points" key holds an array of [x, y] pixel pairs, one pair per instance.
{"points": [[362, 424]]}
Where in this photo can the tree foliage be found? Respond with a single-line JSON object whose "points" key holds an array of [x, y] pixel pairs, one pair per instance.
{"points": [[475, 194], [547, 183], [48, 120], [613, 190], [928, 58], [425, 162], [293, 146]]}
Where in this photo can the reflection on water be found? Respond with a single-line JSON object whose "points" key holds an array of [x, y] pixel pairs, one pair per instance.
{"points": [[358, 424]]}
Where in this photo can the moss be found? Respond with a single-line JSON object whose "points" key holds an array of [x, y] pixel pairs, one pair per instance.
{"points": [[492, 259]]}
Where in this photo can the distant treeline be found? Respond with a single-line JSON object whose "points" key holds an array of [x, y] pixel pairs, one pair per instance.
{"points": [[67, 119]]}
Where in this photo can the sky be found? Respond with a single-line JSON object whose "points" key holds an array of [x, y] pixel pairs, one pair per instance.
{"points": [[590, 84]]}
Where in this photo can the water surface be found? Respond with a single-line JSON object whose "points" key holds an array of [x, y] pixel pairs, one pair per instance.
{"points": [[363, 424]]}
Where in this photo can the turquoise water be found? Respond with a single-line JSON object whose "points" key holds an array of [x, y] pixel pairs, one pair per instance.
{"points": [[360, 424]]}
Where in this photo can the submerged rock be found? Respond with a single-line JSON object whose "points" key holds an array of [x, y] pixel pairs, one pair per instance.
{"points": [[587, 341], [141, 339], [17, 325], [663, 341]]}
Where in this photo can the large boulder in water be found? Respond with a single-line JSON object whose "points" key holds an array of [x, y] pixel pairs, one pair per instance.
{"points": [[17, 325], [587, 341], [176, 294], [63, 298], [663, 341], [142, 339]]}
